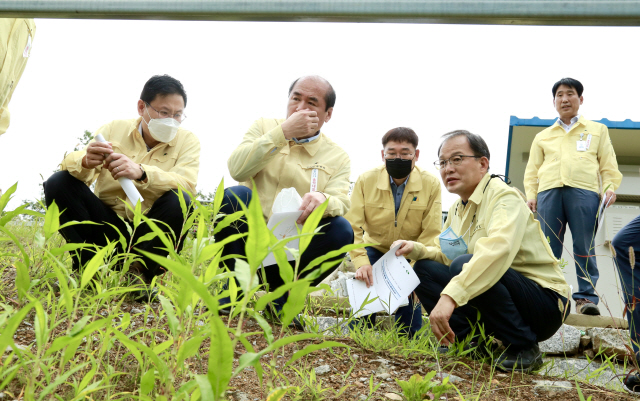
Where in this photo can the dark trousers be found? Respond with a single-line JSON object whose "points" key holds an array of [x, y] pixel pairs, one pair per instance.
{"points": [[408, 317], [336, 233], [576, 207], [628, 237], [516, 310], [78, 203]]}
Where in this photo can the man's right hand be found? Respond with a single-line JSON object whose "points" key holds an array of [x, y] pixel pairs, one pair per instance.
{"points": [[365, 273], [301, 124], [97, 152], [533, 205]]}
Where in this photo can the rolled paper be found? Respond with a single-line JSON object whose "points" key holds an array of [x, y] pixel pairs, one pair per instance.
{"points": [[126, 184]]}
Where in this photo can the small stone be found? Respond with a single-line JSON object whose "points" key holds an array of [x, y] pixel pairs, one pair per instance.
{"points": [[610, 341], [388, 379], [452, 378], [320, 360], [199, 323], [383, 376], [589, 354], [135, 310], [393, 396], [322, 369], [585, 340], [363, 379], [380, 361], [355, 356], [362, 397], [240, 396], [551, 387]]}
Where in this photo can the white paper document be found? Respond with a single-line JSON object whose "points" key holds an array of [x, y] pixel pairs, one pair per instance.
{"points": [[284, 225], [601, 211], [127, 185], [393, 281]]}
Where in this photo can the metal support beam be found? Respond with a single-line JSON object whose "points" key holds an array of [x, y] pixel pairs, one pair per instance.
{"points": [[503, 12]]}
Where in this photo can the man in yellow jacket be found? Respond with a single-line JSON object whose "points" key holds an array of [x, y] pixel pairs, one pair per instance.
{"points": [[491, 257], [393, 201], [154, 152], [16, 38], [293, 153], [566, 164]]}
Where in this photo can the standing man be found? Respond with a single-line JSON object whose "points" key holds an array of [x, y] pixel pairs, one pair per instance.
{"points": [[627, 253], [293, 152], [16, 39], [566, 164], [491, 258], [393, 201], [152, 151]]}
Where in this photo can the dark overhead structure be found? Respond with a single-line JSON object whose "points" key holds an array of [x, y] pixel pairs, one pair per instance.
{"points": [[514, 12]]}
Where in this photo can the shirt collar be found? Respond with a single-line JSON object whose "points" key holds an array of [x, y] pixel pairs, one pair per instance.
{"points": [[305, 140], [476, 196], [401, 185], [573, 121]]}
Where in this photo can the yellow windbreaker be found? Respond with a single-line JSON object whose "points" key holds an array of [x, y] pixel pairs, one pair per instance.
{"points": [[168, 165], [501, 233], [554, 160], [372, 214], [16, 36], [275, 163]]}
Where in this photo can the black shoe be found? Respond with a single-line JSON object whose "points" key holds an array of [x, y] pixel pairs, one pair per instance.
{"points": [[224, 310], [525, 361], [631, 383], [586, 307], [297, 323]]}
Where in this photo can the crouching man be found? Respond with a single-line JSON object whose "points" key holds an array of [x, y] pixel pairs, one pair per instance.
{"points": [[393, 201], [293, 153], [152, 151], [491, 257]]}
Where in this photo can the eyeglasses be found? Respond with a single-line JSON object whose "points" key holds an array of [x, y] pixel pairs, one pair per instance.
{"points": [[402, 156], [180, 117], [455, 160]]}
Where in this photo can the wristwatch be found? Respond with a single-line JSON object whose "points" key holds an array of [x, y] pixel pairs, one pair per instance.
{"points": [[143, 176]]}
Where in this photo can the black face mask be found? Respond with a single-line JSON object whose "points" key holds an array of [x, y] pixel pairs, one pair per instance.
{"points": [[398, 168]]}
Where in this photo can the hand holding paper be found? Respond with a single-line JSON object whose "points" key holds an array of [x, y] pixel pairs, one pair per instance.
{"points": [[283, 221], [393, 281]]}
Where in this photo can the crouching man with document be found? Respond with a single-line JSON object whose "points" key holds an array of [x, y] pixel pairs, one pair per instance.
{"points": [[144, 159], [491, 257], [292, 153], [393, 201]]}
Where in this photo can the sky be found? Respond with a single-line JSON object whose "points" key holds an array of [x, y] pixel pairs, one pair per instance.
{"points": [[432, 78]]}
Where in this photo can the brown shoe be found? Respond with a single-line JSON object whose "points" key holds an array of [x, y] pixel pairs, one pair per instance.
{"points": [[586, 307]]}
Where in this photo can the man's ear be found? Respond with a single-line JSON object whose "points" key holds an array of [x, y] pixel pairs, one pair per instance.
{"points": [[417, 154], [581, 100], [329, 114], [484, 164], [141, 105], [382, 155]]}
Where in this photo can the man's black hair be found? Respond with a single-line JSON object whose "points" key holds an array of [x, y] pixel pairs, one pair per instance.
{"points": [[329, 96], [400, 135], [162, 85], [476, 143], [571, 83]]}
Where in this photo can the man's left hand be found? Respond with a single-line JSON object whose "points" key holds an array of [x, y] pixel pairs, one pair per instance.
{"points": [[310, 201], [121, 166], [610, 197], [439, 320]]}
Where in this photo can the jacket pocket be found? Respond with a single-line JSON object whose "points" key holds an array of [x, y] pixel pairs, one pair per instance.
{"points": [[584, 168]]}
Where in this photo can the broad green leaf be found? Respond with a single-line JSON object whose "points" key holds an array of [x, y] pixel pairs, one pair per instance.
{"points": [[206, 392], [9, 329], [23, 282], [147, 237], [311, 348], [183, 203], [311, 224], [174, 324], [69, 248], [59, 380], [220, 357], [8, 216], [278, 393], [79, 325], [88, 377], [259, 238], [189, 348], [226, 220], [62, 341], [75, 223], [247, 280], [333, 254], [51, 220], [18, 243], [147, 381], [219, 196], [94, 264], [211, 250], [296, 301], [4, 199]]}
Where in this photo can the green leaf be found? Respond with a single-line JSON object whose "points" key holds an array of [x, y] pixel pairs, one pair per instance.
{"points": [[9, 329], [189, 348], [247, 280], [69, 248], [75, 223], [311, 348], [23, 282], [259, 238], [311, 224], [278, 393], [206, 392], [79, 325], [94, 264], [219, 196], [220, 357], [226, 220], [147, 382], [4, 199], [211, 250], [174, 324], [51, 220]]}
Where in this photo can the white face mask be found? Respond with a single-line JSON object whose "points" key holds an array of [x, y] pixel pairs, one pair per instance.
{"points": [[162, 129]]}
